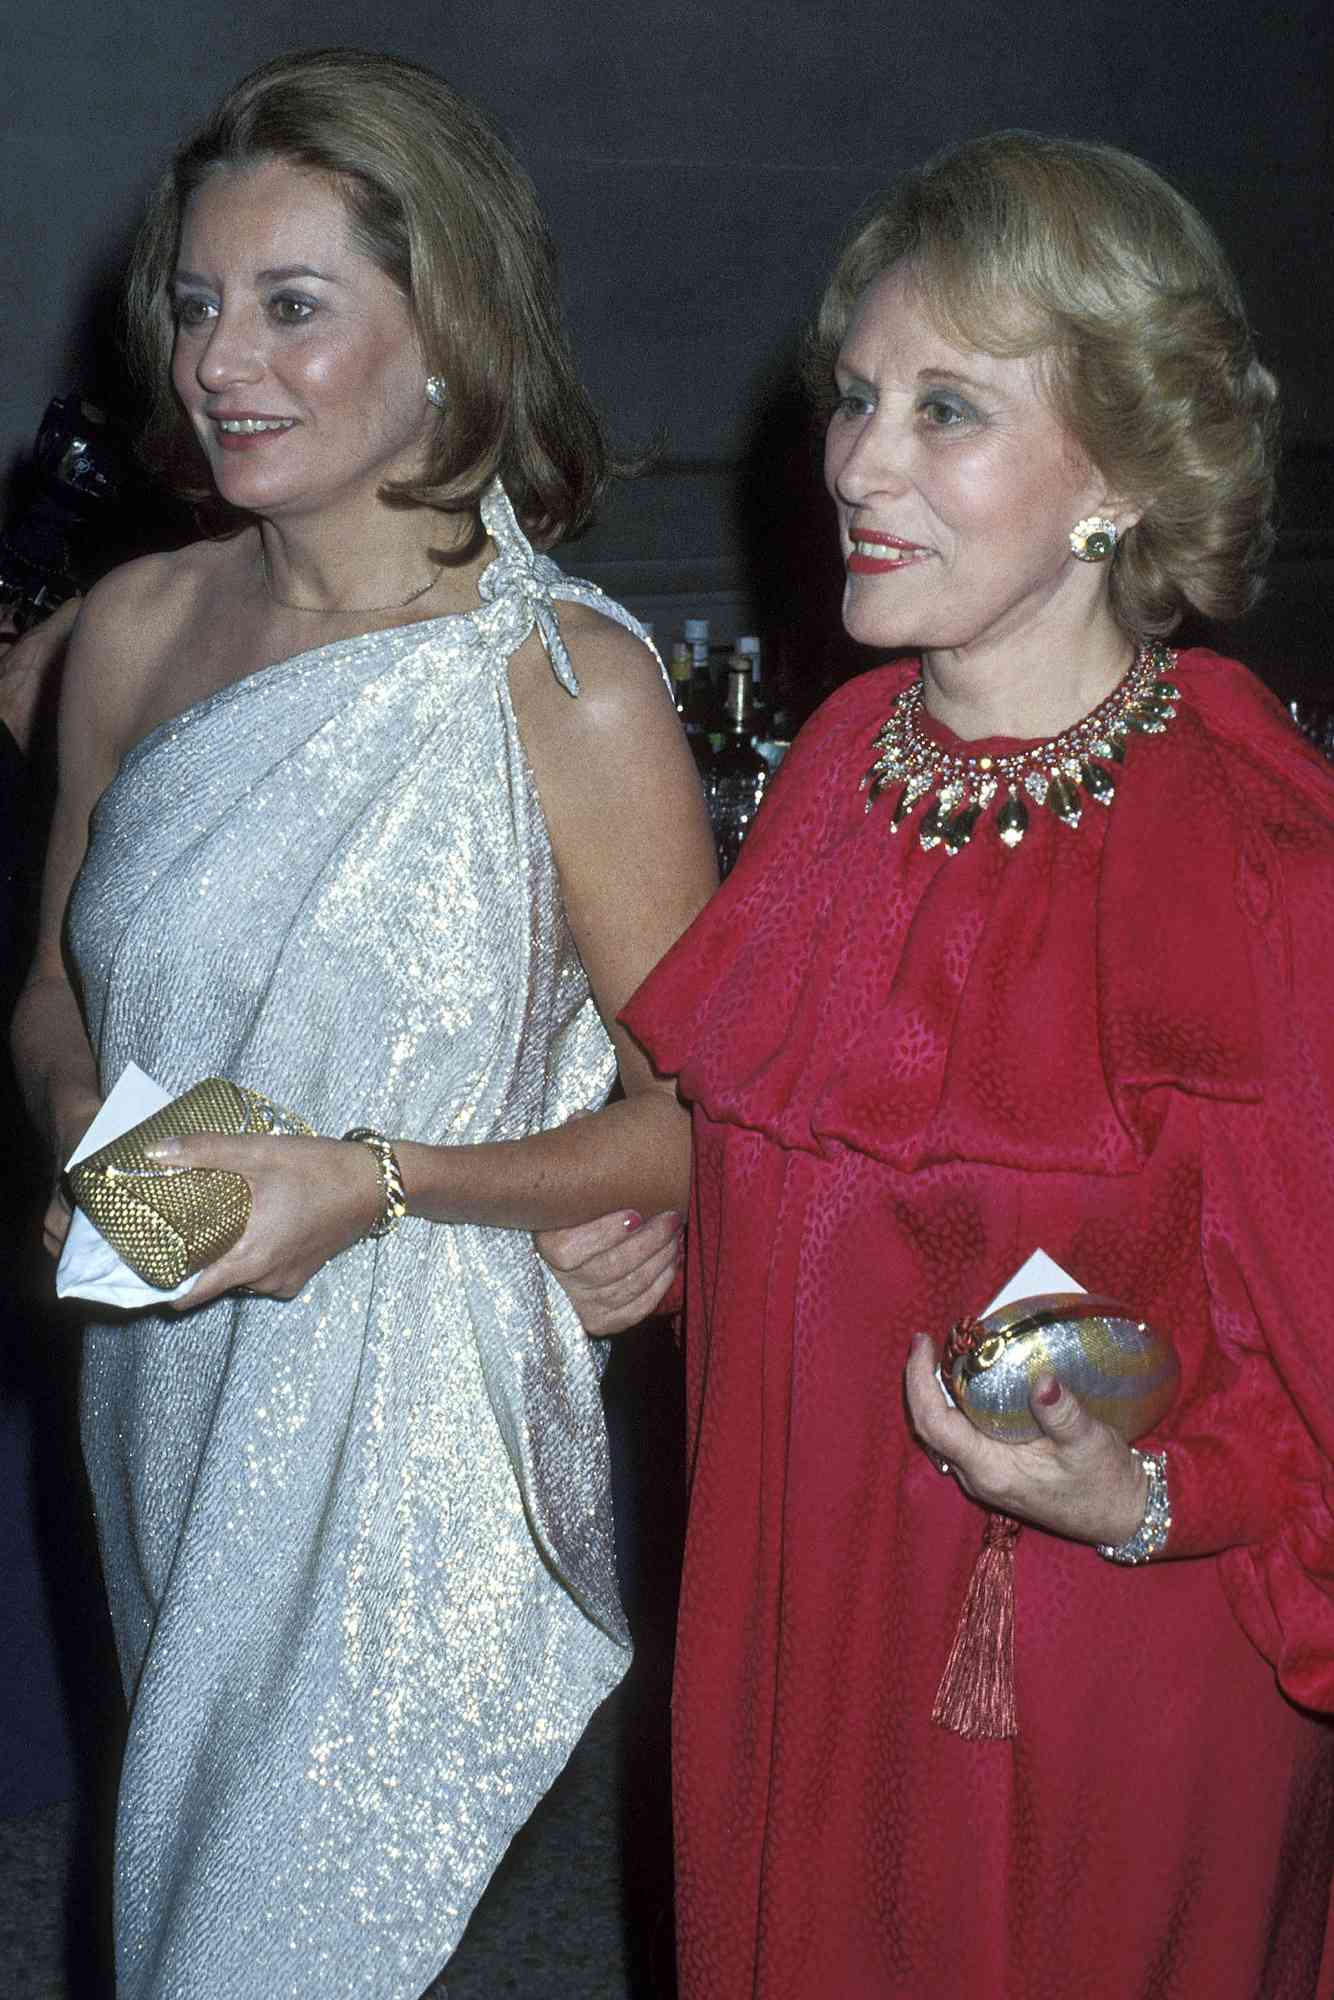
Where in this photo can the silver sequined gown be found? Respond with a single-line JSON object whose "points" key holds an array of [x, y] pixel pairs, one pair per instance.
{"points": [[357, 1545]]}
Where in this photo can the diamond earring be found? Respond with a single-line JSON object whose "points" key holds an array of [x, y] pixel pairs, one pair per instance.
{"points": [[1093, 539], [436, 392]]}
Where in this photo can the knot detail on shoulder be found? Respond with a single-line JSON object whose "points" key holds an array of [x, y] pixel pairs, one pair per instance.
{"points": [[522, 581]]}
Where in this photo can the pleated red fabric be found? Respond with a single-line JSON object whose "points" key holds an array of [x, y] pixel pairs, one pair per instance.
{"points": [[907, 1070]]}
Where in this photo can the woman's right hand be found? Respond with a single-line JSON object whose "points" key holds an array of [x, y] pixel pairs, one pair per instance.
{"points": [[56, 1222], [616, 1270], [60, 1209]]}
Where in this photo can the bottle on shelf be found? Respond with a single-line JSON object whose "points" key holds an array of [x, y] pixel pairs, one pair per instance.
{"points": [[735, 780], [705, 723], [678, 669], [686, 693], [695, 632], [773, 725], [771, 729], [748, 645]]}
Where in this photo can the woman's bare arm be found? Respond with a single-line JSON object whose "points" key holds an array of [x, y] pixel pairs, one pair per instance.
{"points": [[632, 844], [26, 668], [109, 648]]}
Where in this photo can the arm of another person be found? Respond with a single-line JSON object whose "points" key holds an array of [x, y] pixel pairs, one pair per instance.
{"points": [[110, 643], [635, 856], [619, 1269], [26, 666]]}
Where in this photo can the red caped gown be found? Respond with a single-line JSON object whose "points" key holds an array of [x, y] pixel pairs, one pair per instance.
{"points": [[907, 1071]]}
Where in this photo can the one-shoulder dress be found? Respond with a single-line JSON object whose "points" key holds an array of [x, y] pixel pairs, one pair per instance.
{"points": [[358, 1544]]}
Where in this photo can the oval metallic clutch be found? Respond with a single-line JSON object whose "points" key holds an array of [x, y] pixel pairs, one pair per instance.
{"points": [[1120, 1369]]}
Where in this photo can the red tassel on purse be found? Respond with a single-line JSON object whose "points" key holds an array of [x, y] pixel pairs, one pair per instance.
{"points": [[976, 1693], [1121, 1370]]}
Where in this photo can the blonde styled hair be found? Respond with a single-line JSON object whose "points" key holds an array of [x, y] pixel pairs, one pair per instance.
{"points": [[1086, 258], [436, 201]]}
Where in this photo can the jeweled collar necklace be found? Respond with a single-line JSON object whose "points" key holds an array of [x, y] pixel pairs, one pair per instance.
{"points": [[1055, 775]]}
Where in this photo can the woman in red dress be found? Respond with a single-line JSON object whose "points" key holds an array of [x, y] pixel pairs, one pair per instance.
{"points": [[1059, 976]]}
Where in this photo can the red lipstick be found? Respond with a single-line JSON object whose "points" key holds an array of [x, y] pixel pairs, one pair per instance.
{"points": [[862, 559]]}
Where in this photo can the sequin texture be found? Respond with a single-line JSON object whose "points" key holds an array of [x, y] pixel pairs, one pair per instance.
{"points": [[358, 1545]]}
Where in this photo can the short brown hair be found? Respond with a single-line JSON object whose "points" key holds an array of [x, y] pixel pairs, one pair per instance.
{"points": [[1082, 254], [437, 202]]}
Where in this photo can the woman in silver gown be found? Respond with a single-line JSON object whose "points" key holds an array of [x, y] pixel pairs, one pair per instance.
{"points": [[388, 818]]}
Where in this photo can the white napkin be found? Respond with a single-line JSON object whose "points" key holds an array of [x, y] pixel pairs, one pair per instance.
{"points": [[89, 1268], [1039, 1273]]}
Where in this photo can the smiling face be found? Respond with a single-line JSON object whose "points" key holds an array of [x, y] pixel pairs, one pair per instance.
{"points": [[956, 487], [295, 357]]}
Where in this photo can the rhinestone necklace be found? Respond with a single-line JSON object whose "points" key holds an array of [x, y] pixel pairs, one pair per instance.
{"points": [[1055, 775]]}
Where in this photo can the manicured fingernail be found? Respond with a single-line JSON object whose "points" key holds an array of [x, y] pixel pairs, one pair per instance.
{"points": [[1049, 1393], [678, 1221], [632, 1220], [163, 1150]]}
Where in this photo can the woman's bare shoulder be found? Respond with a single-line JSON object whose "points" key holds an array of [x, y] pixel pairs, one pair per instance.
{"points": [[621, 684], [133, 624], [605, 645], [163, 589], [621, 797]]}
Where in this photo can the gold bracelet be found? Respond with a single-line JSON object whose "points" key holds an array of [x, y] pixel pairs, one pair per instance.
{"points": [[392, 1192]]}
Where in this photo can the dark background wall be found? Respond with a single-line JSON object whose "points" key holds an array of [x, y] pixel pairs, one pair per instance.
{"points": [[698, 164]]}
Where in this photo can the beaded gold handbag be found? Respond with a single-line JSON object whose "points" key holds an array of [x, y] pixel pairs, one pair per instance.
{"points": [[168, 1222]]}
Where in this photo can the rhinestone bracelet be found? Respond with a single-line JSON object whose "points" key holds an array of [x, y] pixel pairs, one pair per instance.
{"points": [[1150, 1538], [392, 1193]]}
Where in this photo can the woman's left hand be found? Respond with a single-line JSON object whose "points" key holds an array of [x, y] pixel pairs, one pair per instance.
{"points": [[1079, 1479], [310, 1198]]}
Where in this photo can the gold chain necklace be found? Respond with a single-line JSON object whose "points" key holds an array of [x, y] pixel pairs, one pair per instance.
{"points": [[1051, 774], [341, 610]]}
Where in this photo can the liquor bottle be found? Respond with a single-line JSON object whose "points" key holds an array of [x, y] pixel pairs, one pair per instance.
{"points": [[695, 632], [705, 712], [686, 693], [735, 780], [749, 646], [679, 670]]}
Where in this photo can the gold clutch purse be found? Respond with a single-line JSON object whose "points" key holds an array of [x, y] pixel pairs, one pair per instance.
{"points": [[168, 1222]]}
